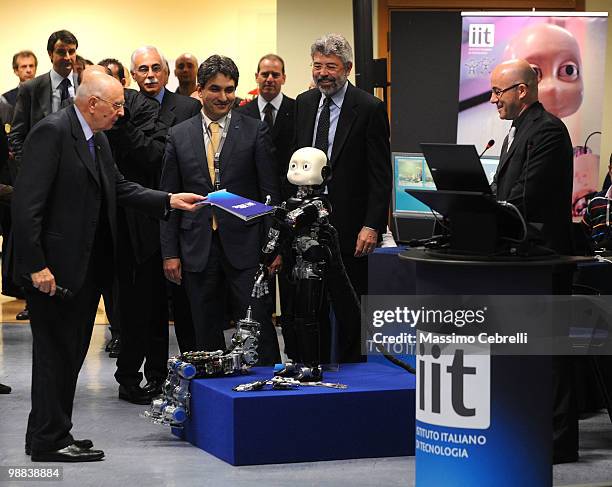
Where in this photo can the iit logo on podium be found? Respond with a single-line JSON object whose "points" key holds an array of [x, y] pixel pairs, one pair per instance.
{"points": [[453, 383], [481, 35]]}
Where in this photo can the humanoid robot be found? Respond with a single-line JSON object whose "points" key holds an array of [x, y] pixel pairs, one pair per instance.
{"points": [[308, 243]]}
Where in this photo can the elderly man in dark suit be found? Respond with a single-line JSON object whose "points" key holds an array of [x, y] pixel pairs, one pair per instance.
{"points": [[277, 110], [352, 128], [219, 148], [64, 214], [142, 287]]}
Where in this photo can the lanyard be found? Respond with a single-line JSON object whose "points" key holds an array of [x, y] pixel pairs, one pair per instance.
{"points": [[219, 149]]}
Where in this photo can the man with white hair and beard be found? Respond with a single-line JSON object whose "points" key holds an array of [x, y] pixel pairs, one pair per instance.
{"points": [[352, 128], [143, 305], [64, 224]]}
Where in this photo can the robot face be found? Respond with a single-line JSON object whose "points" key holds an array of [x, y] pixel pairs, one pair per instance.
{"points": [[306, 167], [554, 54]]}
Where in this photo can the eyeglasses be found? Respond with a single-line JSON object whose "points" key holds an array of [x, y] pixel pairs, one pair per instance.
{"points": [[498, 93], [156, 68], [116, 106]]}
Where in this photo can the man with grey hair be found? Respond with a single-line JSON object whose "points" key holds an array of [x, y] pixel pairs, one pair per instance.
{"points": [[352, 128], [143, 306], [65, 228]]}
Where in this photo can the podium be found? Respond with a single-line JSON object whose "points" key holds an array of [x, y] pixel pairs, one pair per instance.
{"points": [[513, 443]]}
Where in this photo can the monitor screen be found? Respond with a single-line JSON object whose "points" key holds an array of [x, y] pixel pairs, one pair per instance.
{"points": [[489, 164], [410, 171]]}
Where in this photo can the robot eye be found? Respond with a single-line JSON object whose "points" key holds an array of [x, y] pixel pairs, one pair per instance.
{"points": [[306, 166], [568, 72]]}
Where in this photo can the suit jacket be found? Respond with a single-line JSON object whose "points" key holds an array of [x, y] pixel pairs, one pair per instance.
{"points": [[247, 168], [32, 105], [138, 147], [360, 188], [57, 206], [282, 134], [536, 175], [11, 96]]}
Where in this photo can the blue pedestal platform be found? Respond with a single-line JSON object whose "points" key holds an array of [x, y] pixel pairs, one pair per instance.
{"points": [[374, 417]]}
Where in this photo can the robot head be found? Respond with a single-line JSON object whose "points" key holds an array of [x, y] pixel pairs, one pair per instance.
{"points": [[308, 167], [554, 54]]}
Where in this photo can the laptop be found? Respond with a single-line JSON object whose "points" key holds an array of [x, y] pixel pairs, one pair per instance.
{"points": [[456, 168]]}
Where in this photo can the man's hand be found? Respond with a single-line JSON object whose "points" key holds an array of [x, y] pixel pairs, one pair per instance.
{"points": [[275, 266], [44, 281], [172, 270], [366, 242], [186, 201]]}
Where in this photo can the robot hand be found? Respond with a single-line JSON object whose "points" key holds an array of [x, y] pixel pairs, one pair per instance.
{"points": [[260, 288]]}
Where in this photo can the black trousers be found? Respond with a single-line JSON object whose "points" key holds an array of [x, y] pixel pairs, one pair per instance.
{"points": [[183, 321], [205, 291], [61, 332], [343, 301], [143, 311]]}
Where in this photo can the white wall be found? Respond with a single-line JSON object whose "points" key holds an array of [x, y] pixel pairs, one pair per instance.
{"points": [[298, 24]]}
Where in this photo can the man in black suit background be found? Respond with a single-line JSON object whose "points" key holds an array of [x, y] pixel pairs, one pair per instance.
{"points": [[142, 288], [24, 67], [64, 214], [215, 247], [46, 93], [535, 173], [352, 128], [277, 110]]}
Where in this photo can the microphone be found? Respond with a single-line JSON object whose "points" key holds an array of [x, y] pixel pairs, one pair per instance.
{"points": [[490, 144], [60, 292]]}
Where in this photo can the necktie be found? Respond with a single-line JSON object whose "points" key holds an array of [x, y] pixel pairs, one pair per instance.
{"points": [[322, 138], [210, 158], [63, 87], [92, 147], [510, 137], [269, 115]]}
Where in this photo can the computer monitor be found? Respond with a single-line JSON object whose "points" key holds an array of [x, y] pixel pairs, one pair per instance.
{"points": [[456, 167], [410, 171]]}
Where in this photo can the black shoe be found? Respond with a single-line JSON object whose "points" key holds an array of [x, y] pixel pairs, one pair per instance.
{"points": [[134, 394], [71, 453], [153, 387], [114, 347], [82, 444], [5, 389], [23, 315]]}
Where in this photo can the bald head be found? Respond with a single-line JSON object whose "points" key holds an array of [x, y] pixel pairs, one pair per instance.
{"points": [[514, 86], [99, 98], [186, 70]]}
